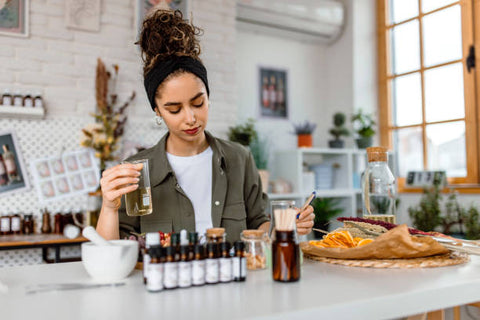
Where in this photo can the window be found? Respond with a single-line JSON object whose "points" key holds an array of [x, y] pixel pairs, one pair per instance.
{"points": [[428, 96]]}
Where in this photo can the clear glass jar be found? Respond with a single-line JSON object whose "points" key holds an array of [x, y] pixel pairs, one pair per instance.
{"points": [[378, 187], [256, 248]]}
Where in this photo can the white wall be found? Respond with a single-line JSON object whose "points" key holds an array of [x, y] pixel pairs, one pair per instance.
{"points": [[62, 62], [307, 84]]}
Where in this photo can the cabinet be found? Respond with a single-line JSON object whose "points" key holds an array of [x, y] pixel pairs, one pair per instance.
{"points": [[347, 166]]}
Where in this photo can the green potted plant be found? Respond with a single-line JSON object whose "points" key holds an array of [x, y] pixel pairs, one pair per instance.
{"points": [[338, 130], [426, 215], [243, 133], [324, 209], [363, 124], [260, 153], [304, 133]]}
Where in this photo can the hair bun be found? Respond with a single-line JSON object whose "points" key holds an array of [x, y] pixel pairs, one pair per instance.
{"points": [[164, 34]]}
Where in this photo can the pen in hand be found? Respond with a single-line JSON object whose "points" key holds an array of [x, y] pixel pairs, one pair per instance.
{"points": [[307, 203]]}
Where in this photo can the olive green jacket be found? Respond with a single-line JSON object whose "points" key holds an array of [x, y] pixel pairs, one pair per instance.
{"points": [[238, 202]]}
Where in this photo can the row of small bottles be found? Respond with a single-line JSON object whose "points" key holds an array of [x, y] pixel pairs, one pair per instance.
{"points": [[15, 224], [187, 263], [22, 99]]}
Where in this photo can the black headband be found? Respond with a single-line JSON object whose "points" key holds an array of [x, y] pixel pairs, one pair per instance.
{"points": [[164, 68]]}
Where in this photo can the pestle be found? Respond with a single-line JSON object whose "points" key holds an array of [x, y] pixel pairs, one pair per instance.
{"points": [[91, 234]]}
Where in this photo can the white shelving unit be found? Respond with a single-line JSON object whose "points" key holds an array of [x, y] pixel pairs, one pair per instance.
{"points": [[21, 112], [349, 165]]}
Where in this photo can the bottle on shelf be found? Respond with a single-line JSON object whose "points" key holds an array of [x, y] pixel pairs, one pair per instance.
{"points": [[17, 98], [28, 100], [28, 224], [378, 187], [37, 99], [5, 225], [15, 224], [7, 99]]}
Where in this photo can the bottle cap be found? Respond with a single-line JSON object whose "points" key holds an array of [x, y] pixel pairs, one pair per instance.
{"points": [[239, 245], [377, 154], [193, 237], [183, 237], [175, 239], [152, 239]]}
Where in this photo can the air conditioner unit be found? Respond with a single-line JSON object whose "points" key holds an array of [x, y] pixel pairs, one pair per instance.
{"points": [[306, 20]]}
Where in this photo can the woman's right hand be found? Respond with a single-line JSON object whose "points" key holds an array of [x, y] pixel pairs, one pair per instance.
{"points": [[117, 181]]}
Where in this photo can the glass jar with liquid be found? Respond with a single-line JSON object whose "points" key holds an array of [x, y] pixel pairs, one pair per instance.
{"points": [[378, 187]]}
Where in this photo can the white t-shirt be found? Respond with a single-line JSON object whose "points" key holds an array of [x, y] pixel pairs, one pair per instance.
{"points": [[194, 175]]}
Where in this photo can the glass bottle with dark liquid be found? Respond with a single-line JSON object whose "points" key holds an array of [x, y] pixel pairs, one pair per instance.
{"points": [[285, 257]]}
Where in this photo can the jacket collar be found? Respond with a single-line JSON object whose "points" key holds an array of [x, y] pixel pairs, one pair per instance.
{"points": [[160, 168]]}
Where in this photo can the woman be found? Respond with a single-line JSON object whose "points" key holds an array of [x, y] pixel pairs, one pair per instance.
{"points": [[198, 181]]}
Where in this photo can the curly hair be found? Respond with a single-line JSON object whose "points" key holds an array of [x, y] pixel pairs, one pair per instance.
{"points": [[164, 34]]}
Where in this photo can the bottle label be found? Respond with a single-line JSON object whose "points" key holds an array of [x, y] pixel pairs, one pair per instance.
{"points": [[28, 103], [243, 267], [5, 225], [146, 262], [211, 272], [18, 101], [7, 101], [171, 275], [198, 272], [225, 269], [38, 103], [155, 277], [15, 224], [184, 274], [236, 267]]}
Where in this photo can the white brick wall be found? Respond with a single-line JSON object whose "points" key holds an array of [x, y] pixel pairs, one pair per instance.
{"points": [[62, 61]]}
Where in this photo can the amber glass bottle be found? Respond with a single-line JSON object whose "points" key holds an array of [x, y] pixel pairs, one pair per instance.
{"points": [[285, 257]]}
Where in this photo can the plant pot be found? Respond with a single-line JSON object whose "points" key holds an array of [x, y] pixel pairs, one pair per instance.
{"points": [[324, 225], [304, 140], [264, 177], [337, 143], [364, 142]]}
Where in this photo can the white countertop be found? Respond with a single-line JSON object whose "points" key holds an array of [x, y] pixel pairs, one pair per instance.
{"points": [[324, 292]]}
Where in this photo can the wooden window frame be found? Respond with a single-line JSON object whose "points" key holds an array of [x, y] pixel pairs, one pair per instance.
{"points": [[469, 10]]}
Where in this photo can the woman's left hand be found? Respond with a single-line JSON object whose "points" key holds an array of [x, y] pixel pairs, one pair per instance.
{"points": [[305, 221]]}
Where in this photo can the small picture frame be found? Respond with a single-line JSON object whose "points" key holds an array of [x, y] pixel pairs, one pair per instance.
{"points": [[14, 16], [13, 176], [143, 7], [82, 15], [71, 173], [273, 92], [422, 179]]}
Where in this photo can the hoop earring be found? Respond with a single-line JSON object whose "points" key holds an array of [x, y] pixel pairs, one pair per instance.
{"points": [[158, 120]]}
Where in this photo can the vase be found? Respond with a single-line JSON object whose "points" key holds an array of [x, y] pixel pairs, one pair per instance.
{"points": [[337, 143], [364, 142], [304, 140]]}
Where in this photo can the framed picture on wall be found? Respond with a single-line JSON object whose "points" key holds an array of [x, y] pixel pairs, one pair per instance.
{"points": [[14, 18], [82, 14], [13, 176], [273, 92], [143, 7]]}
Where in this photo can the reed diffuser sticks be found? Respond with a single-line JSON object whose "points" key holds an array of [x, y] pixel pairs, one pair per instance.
{"points": [[285, 219]]}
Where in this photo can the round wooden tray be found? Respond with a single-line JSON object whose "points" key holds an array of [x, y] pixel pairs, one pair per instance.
{"points": [[449, 259]]}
